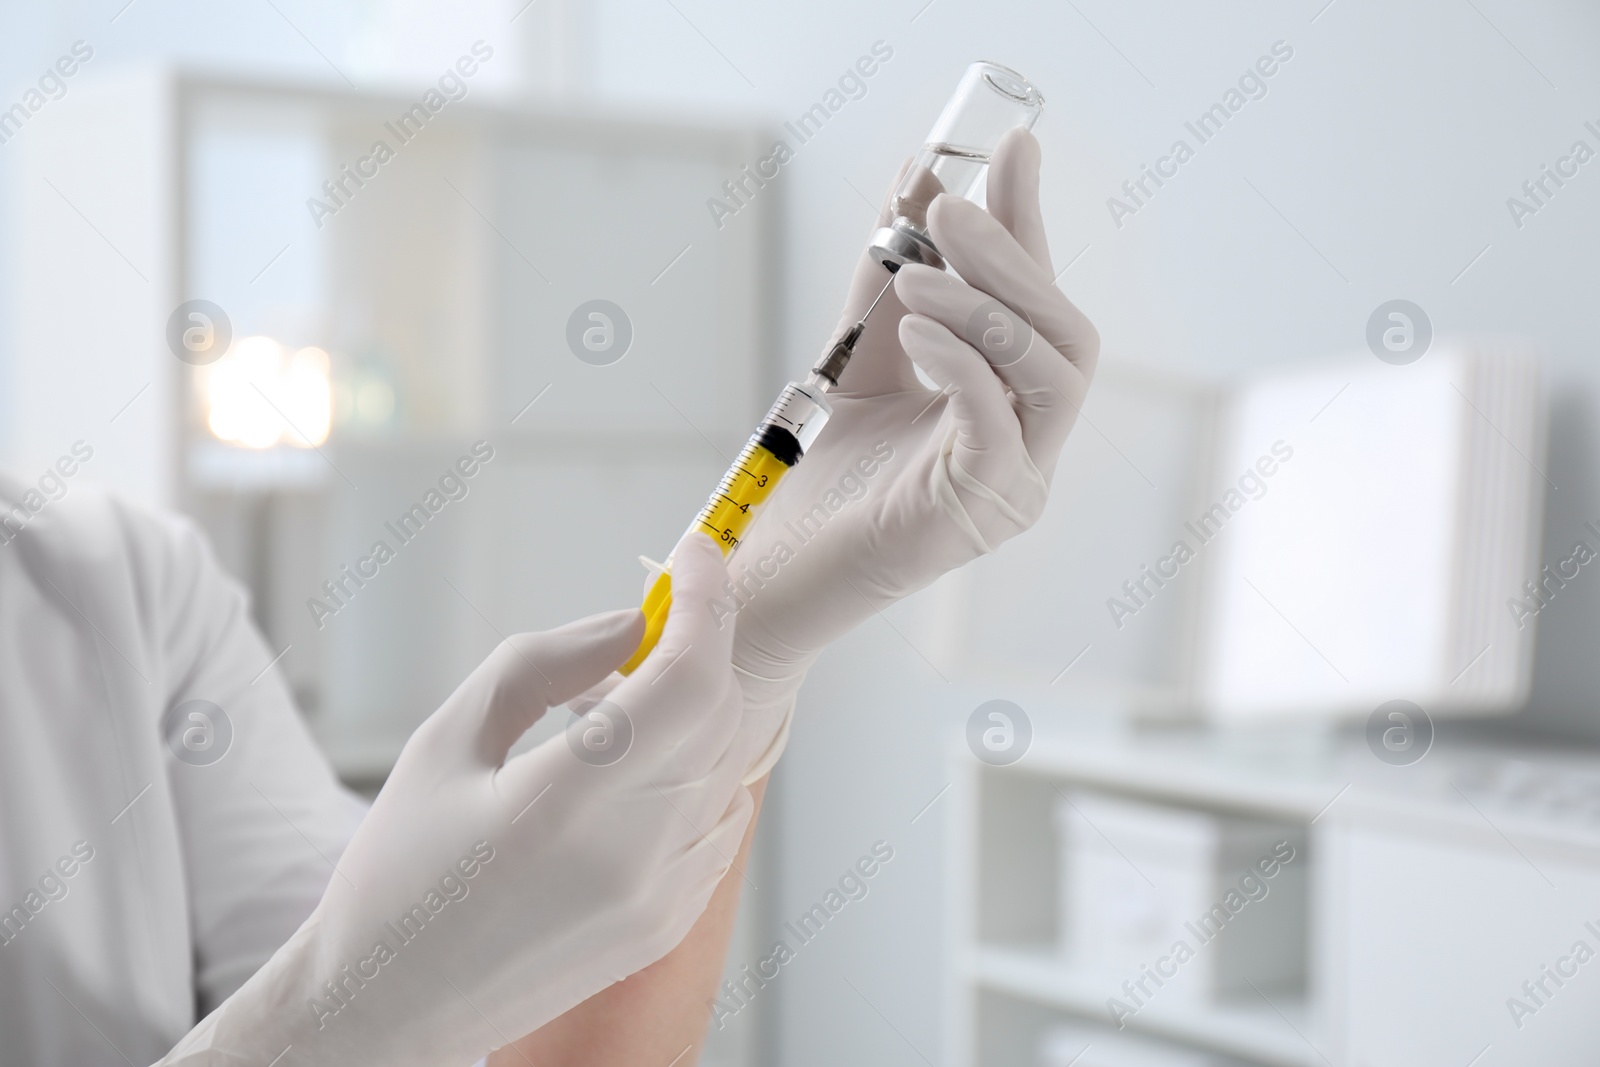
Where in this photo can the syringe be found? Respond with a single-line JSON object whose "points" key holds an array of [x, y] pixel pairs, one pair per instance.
{"points": [[778, 443], [989, 101]]}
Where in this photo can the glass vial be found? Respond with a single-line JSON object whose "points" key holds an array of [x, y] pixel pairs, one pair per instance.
{"points": [[989, 101]]}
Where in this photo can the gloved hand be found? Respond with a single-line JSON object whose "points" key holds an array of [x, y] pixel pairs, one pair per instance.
{"points": [[906, 483], [483, 897]]}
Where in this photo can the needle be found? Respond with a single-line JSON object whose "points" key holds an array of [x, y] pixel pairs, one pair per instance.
{"points": [[879, 297], [833, 364]]}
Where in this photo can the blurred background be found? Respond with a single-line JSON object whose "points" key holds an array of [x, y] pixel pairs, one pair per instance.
{"points": [[1343, 746]]}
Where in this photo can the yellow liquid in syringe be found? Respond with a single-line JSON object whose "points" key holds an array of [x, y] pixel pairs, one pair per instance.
{"points": [[726, 517], [793, 422]]}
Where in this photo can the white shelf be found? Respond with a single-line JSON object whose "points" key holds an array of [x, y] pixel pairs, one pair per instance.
{"points": [[1542, 794], [1201, 769], [1253, 1032]]}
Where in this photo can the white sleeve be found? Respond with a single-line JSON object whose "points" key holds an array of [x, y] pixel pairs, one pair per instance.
{"points": [[262, 827]]}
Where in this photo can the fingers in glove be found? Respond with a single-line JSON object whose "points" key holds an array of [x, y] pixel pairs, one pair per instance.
{"points": [[870, 274], [886, 205], [1012, 193], [1046, 388], [527, 674], [1006, 307], [988, 437], [595, 693], [681, 684], [879, 366], [989, 259]]}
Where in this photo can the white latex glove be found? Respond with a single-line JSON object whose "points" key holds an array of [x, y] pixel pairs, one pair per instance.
{"points": [[948, 476], [532, 883]]}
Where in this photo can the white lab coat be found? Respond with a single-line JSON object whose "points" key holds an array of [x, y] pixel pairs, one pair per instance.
{"points": [[110, 615]]}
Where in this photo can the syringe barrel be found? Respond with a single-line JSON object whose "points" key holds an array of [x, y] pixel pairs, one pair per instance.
{"points": [[988, 102], [779, 442], [801, 410]]}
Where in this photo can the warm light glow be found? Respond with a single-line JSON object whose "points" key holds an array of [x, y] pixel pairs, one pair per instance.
{"points": [[259, 395]]}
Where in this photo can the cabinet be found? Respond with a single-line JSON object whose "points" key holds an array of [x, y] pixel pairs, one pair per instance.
{"points": [[1436, 890]]}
